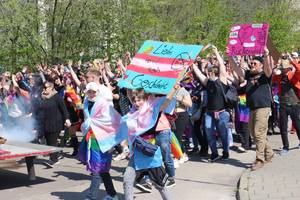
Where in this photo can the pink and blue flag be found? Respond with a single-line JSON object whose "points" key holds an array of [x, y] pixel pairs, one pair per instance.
{"points": [[157, 65], [105, 123]]}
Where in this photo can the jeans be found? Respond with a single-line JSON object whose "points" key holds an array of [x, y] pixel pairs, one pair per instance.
{"points": [[128, 183], [95, 184], [294, 112], [220, 124], [163, 140]]}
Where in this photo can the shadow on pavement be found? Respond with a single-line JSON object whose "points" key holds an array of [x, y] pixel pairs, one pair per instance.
{"points": [[80, 195], [11, 179], [79, 176], [230, 161]]}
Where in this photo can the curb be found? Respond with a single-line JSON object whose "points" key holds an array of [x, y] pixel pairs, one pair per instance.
{"points": [[243, 186]]}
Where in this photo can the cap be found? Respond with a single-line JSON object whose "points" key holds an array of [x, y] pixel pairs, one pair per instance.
{"points": [[258, 58], [295, 54], [92, 86]]}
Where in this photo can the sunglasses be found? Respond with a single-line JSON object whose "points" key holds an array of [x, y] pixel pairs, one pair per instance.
{"points": [[253, 63]]}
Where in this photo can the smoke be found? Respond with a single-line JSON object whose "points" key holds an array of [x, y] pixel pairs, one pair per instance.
{"points": [[19, 129]]}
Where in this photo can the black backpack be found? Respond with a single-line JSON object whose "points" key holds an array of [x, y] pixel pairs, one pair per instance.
{"points": [[231, 96]]}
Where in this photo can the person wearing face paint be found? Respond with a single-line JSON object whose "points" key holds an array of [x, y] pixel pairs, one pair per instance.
{"points": [[259, 100], [287, 76]]}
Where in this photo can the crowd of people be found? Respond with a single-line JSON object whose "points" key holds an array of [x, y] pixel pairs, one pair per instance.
{"points": [[245, 96]]}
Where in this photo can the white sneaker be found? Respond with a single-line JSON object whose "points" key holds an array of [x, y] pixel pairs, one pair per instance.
{"points": [[111, 198], [183, 159], [176, 163]]}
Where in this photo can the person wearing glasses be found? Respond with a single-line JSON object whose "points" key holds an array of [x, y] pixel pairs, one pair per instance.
{"points": [[259, 100], [55, 117]]}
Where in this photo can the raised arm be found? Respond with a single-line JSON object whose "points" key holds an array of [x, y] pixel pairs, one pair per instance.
{"points": [[268, 68], [238, 70], [203, 79], [73, 74], [222, 68]]}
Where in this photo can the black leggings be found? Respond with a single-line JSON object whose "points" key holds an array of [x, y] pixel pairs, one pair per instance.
{"points": [[294, 113], [181, 122], [51, 140], [109, 186]]}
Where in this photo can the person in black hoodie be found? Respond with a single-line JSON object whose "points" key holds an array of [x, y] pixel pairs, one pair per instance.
{"points": [[55, 116]]}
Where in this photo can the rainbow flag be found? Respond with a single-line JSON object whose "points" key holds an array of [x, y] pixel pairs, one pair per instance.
{"points": [[70, 92], [157, 65], [175, 147], [91, 155], [244, 110]]}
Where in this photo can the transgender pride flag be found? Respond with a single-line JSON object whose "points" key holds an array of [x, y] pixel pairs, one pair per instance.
{"points": [[157, 65]]}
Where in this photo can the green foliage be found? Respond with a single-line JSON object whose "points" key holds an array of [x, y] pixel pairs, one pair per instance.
{"points": [[51, 31]]}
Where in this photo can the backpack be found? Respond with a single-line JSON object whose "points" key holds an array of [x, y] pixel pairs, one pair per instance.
{"points": [[231, 96]]}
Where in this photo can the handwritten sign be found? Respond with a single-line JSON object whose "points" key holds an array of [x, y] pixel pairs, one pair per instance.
{"points": [[157, 65], [247, 39]]}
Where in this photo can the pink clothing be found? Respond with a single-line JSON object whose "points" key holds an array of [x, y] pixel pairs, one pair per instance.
{"points": [[163, 123]]}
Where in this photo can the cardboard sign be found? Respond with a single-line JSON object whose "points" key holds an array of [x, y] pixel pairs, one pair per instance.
{"points": [[157, 65], [247, 39]]}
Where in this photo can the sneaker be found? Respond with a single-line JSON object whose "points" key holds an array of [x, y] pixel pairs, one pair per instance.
{"points": [[203, 154], [108, 197], [145, 187], [183, 159], [60, 156], [257, 165], [225, 155], [75, 152], [283, 152], [191, 145], [176, 163], [241, 150], [170, 183], [51, 163], [213, 158]]}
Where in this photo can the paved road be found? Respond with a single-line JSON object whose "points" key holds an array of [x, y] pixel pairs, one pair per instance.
{"points": [[69, 180], [279, 180]]}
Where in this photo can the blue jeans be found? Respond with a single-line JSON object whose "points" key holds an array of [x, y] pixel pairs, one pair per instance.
{"points": [[220, 124], [163, 139]]}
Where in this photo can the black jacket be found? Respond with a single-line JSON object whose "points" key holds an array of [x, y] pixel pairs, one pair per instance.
{"points": [[54, 114]]}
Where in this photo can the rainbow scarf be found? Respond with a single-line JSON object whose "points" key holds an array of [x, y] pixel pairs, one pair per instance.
{"points": [[70, 92]]}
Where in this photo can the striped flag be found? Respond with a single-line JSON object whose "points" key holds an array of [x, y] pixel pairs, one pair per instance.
{"points": [[157, 65]]}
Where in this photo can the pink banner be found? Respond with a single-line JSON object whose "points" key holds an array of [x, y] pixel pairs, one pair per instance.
{"points": [[247, 39]]}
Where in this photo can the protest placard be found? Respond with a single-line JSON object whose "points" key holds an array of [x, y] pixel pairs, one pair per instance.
{"points": [[157, 65], [247, 39]]}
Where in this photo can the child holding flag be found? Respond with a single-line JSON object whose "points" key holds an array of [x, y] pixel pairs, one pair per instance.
{"points": [[147, 121]]}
